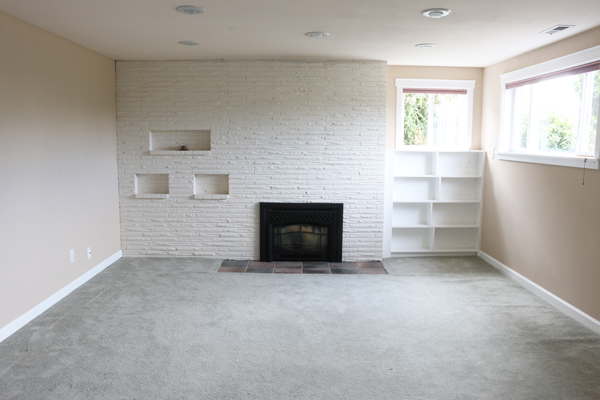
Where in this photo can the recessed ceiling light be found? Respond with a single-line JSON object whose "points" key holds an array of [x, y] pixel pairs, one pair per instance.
{"points": [[426, 45], [317, 34], [188, 43], [192, 10], [435, 12]]}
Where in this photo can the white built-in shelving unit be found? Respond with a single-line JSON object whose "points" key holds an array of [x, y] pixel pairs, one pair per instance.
{"points": [[433, 202]]}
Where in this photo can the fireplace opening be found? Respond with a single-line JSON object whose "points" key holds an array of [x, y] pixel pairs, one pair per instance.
{"points": [[301, 231], [300, 237]]}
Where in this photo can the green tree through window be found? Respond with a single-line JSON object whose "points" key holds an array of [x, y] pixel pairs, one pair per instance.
{"points": [[416, 108]]}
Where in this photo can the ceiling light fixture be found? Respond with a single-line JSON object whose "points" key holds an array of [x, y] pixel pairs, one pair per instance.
{"points": [[426, 45], [188, 43], [435, 12], [317, 34], [191, 10]]}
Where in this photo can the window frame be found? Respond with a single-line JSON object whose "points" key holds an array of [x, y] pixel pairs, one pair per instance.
{"points": [[401, 84], [504, 138]]}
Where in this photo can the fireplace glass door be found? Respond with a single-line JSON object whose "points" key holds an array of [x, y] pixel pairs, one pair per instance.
{"points": [[300, 238]]}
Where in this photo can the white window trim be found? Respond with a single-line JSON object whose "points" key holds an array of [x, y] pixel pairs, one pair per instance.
{"points": [[568, 61], [430, 84]]}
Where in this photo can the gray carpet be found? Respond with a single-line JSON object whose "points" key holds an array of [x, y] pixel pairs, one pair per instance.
{"points": [[437, 328]]}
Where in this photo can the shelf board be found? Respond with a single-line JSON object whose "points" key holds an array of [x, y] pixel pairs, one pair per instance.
{"points": [[152, 196], [413, 201], [415, 149], [179, 152], [416, 176], [456, 201], [439, 201], [460, 176], [422, 226], [455, 250], [437, 176], [456, 226]]}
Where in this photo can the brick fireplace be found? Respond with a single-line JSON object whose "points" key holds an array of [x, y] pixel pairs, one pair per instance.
{"points": [[255, 131]]}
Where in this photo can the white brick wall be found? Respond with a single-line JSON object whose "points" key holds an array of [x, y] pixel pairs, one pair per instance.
{"points": [[284, 131]]}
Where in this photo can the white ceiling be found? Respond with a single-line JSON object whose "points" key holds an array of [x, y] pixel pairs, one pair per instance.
{"points": [[476, 34]]}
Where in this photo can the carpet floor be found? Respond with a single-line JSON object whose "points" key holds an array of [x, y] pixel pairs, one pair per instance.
{"points": [[434, 328]]}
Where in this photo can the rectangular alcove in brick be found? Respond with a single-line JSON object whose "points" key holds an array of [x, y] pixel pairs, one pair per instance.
{"points": [[211, 187], [169, 142], [151, 186]]}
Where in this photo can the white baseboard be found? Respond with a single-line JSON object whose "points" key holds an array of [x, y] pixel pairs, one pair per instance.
{"points": [[435, 254], [56, 297], [542, 293]]}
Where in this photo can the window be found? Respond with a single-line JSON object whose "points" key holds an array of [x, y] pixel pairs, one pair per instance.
{"points": [[550, 112], [434, 113]]}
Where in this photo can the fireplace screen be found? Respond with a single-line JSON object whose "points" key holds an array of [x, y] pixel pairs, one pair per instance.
{"points": [[301, 231], [300, 237]]}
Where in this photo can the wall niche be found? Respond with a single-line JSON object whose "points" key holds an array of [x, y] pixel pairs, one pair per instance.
{"points": [[171, 142], [211, 186], [152, 186]]}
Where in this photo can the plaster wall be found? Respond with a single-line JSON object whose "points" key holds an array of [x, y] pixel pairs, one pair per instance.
{"points": [[58, 170], [538, 219]]}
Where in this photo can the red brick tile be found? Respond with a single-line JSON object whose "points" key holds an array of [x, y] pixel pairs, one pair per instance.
{"points": [[370, 264], [259, 264], [288, 264], [343, 265], [259, 270], [288, 270], [315, 264], [337, 271], [316, 271]]}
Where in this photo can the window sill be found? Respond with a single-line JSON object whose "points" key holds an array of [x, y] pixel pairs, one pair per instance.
{"points": [[564, 161], [436, 149]]}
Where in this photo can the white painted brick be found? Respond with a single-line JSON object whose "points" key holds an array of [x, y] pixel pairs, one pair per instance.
{"points": [[297, 131]]}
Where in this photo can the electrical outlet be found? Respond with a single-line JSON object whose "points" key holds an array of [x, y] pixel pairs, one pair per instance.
{"points": [[72, 254], [89, 253]]}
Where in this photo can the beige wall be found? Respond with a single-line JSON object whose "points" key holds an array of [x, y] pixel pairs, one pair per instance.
{"points": [[58, 174], [411, 72], [539, 219]]}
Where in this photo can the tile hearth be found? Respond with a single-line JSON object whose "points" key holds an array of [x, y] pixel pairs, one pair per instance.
{"points": [[303, 267]]}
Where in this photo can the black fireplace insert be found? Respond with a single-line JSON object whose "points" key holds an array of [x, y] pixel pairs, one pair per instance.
{"points": [[301, 231]]}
